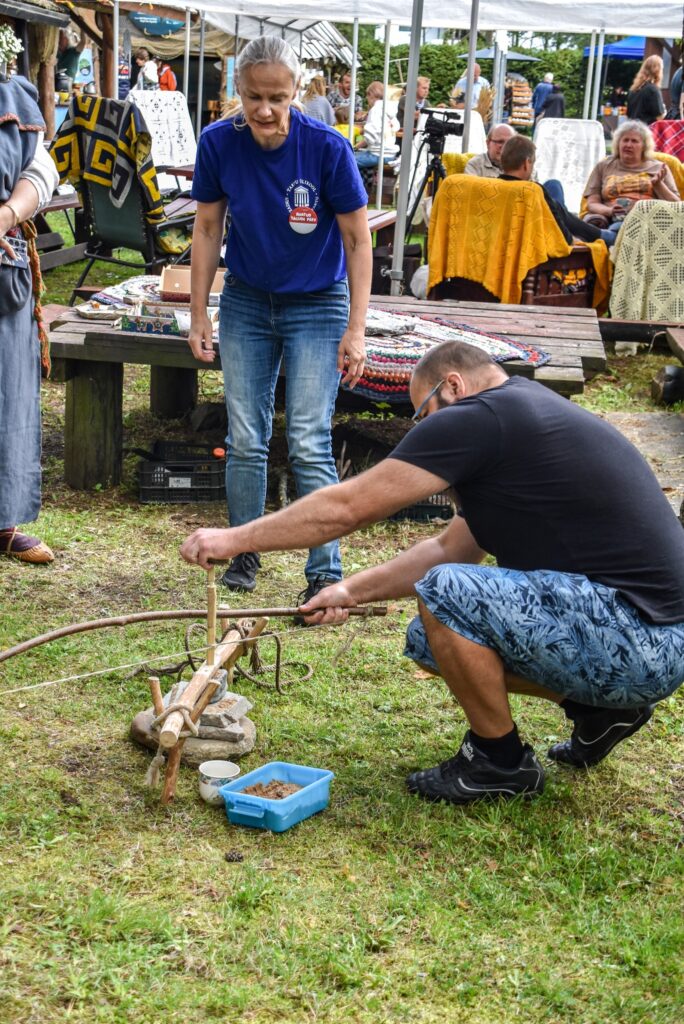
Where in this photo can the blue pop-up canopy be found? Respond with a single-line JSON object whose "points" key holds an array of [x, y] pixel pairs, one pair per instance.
{"points": [[631, 48]]}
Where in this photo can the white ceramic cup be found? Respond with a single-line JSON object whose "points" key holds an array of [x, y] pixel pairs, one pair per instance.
{"points": [[213, 775]]}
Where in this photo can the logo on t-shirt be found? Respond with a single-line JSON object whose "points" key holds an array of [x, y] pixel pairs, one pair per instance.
{"points": [[301, 200]]}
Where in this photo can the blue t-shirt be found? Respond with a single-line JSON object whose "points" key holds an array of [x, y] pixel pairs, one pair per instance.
{"points": [[283, 234]]}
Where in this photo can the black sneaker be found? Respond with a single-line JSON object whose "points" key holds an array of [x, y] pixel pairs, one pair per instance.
{"points": [[241, 573], [470, 775], [313, 586], [595, 735]]}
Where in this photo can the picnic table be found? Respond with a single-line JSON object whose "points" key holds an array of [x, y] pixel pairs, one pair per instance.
{"points": [[90, 357]]}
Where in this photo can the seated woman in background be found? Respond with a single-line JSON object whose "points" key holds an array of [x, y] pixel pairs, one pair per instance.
{"points": [[644, 99], [630, 174], [368, 148], [316, 102]]}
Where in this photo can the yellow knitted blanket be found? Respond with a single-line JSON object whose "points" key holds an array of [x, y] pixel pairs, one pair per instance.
{"points": [[454, 163], [493, 232]]}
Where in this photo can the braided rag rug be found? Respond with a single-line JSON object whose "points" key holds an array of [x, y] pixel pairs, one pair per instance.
{"points": [[395, 342]]}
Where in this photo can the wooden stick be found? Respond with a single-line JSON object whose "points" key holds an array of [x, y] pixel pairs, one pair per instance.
{"points": [[155, 690], [173, 759], [227, 653], [211, 614], [222, 612]]}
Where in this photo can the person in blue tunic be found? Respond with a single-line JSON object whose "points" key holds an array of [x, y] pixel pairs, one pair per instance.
{"points": [[27, 180], [296, 289]]}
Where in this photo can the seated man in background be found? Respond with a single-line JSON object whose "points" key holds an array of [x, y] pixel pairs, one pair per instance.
{"points": [[422, 92], [340, 96], [488, 165], [585, 605], [517, 164]]}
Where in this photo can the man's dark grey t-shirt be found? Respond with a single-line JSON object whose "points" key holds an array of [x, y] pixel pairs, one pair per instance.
{"points": [[544, 484]]}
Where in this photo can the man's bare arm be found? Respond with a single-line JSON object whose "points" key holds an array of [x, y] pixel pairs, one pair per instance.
{"points": [[320, 517]]}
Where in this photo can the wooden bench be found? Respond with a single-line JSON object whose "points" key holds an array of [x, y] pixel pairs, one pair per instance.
{"points": [[381, 224], [50, 244], [90, 356]]}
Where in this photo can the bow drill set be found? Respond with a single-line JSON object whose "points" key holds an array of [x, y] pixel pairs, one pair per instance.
{"points": [[177, 717]]}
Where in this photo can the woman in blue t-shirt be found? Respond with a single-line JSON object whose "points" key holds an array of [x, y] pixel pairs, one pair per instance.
{"points": [[298, 233]]}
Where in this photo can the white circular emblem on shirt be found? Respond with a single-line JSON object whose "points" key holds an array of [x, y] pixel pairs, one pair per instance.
{"points": [[301, 200]]}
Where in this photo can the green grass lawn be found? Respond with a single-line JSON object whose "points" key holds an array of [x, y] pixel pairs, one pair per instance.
{"points": [[566, 910]]}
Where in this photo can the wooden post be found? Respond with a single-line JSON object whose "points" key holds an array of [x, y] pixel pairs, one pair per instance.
{"points": [[110, 60], [46, 95], [93, 428], [173, 391]]}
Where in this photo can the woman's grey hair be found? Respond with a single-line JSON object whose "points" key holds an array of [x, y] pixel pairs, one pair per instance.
{"points": [[269, 50], [640, 129]]}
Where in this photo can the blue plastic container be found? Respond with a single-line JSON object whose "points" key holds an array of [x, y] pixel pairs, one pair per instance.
{"points": [[277, 815]]}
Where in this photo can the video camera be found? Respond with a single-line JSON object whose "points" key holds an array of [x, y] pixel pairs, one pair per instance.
{"points": [[440, 123]]}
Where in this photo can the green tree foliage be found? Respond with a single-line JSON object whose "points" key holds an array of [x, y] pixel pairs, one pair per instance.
{"points": [[445, 64]]}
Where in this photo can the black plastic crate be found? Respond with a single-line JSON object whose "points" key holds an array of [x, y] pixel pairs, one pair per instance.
{"points": [[174, 473], [437, 506]]}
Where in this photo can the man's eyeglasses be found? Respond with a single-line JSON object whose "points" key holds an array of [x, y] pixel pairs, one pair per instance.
{"points": [[417, 414]]}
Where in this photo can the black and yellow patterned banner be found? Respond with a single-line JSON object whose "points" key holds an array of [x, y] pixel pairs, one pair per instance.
{"points": [[107, 142]]}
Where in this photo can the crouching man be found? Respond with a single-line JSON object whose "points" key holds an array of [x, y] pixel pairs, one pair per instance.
{"points": [[585, 607]]}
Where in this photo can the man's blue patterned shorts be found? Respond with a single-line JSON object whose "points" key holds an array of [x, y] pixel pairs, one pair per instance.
{"points": [[574, 637]]}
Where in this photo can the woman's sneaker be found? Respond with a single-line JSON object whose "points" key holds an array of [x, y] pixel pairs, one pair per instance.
{"points": [[595, 735], [471, 775], [313, 587], [241, 573]]}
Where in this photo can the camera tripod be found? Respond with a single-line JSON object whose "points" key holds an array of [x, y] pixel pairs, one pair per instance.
{"points": [[434, 175]]}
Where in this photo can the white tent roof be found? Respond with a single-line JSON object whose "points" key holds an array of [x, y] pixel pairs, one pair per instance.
{"points": [[635, 17]]}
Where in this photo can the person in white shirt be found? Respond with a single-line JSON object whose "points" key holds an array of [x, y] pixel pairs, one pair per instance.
{"points": [[479, 83], [368, 147], [148, 75]]}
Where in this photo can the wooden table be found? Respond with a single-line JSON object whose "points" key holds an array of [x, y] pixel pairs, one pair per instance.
{"points": [[570, 336], [182, 171], [90, 356]]}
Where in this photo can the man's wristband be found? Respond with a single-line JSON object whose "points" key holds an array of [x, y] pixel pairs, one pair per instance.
{"points": [[14, 214]]}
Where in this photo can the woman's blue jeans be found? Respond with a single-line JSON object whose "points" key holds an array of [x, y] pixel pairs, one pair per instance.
{"points": [[259, 331]]}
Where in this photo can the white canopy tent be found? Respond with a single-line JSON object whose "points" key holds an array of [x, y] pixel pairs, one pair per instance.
{"points": [[635, 18]]}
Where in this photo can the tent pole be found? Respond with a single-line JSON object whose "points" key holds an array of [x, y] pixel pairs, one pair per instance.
{"points": [[496, 72], [385, 84], [502, 77], [200, 78], [470, 76], [597, 76], [590, 68], [352, 94], [186, 52], [235, 52], [115, 47], [397, 271]]}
